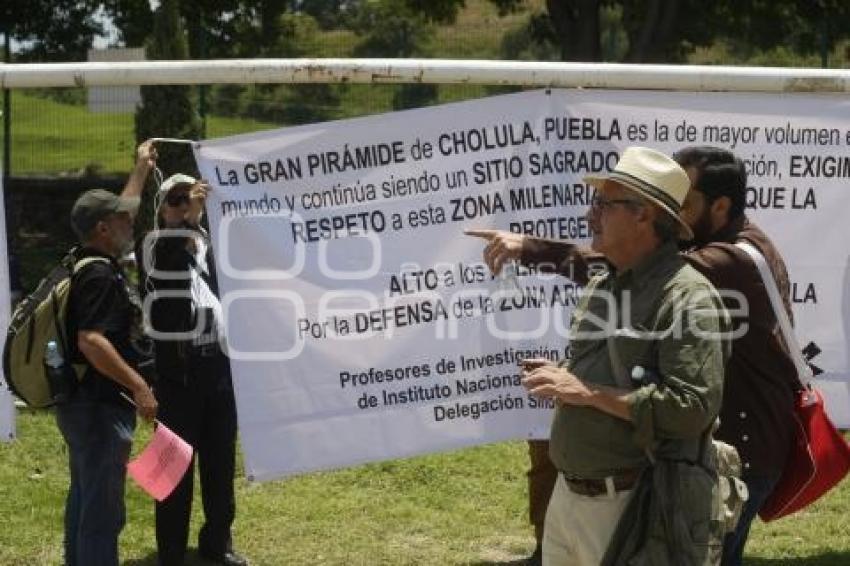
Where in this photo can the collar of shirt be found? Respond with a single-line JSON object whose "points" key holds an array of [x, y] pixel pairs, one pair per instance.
{"points": [[648, 268]]}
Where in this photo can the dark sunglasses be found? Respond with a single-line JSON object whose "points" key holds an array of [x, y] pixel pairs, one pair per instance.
{"points": [[176, 198]]}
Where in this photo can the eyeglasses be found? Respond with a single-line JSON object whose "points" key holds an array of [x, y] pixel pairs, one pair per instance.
{"points": [[176, 198], [598, 203]]}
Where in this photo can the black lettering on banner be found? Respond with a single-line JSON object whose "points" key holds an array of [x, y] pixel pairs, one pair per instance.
{"points": [[759, 166], [796, 198], [558, 227], [416, 394], [547, 196], [342, 226], [339, 195], [529, 297], [372, 376], [460, 142], [789, 135], [474, 410], [273, 171], [822, 166], [355, 158], [495, 170], [803, 293], [568, 161], [472, 207], [571, 128], [231, 177], [730, 135], [423, 183], [427, 216], [264, 205]]}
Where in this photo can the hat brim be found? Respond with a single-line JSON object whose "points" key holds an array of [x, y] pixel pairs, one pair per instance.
{"points": [[597, 181]]}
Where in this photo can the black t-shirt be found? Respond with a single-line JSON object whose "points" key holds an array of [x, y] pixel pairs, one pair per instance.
{"points": [[99, 300]]}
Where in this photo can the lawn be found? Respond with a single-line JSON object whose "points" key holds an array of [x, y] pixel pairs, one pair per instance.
{"points": [[465, 507]]}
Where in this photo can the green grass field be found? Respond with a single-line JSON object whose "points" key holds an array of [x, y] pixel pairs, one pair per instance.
{"points": [[466, 507]]}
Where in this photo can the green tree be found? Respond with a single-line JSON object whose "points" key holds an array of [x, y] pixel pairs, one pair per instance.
{"points": [[56, 30], [401, 29], [132, 18], [167, 110], [668, 30], [297, 103]]}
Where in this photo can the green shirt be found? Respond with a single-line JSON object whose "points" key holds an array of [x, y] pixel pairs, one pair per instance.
{"points": [[661, 315]]}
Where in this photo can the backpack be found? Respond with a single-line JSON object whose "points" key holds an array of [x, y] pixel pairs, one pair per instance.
{"points": [[37, 328]]}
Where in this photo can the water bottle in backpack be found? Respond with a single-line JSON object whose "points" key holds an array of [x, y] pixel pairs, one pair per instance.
{"points": [[58, 379]]}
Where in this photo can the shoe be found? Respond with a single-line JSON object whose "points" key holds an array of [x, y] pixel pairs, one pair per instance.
{"points": [[229, 558], [536, 558]]}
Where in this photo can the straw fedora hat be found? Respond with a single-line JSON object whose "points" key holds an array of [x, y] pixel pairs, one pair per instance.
{"points": [[653, 176]]}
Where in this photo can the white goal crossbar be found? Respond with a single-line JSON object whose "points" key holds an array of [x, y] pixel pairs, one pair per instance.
{"points": [[435, 71]]}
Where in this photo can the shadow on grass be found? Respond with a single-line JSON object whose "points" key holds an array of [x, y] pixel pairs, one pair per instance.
{"points": [[192, 559], [825, 559], [512, 562]]}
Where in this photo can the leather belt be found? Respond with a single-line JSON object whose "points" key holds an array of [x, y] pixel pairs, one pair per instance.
{"points": [[622, 481]]}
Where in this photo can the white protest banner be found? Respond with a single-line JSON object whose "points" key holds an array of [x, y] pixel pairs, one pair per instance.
{"points": [[7, 404], [361, 323]]}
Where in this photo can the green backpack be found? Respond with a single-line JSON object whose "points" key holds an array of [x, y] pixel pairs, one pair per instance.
{"points": [[37, 329]]}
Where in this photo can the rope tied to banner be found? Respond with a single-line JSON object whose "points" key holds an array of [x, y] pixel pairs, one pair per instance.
{"points": [[158, 175]]}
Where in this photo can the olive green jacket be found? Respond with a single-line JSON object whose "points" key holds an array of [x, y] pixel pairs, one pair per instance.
{"points": [[665, 317]]}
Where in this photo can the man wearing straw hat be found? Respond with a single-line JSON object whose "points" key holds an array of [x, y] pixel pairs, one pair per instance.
{"points": [[645, 378]]}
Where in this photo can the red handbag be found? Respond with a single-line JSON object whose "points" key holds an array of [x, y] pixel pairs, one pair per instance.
{"points": [[819, 457]]}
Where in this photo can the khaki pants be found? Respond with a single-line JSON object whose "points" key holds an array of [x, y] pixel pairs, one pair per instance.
{"points": [[541, 479], [579, 528]]}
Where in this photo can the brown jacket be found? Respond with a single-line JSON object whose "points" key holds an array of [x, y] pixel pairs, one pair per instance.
{"points": [[758, 392]]}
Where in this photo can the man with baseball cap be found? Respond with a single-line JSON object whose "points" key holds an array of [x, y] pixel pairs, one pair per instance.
{"points": [[645, 378], [96, 422]]}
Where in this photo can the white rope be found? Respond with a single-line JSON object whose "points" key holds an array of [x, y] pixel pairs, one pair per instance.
{"points": [[157, 172]]}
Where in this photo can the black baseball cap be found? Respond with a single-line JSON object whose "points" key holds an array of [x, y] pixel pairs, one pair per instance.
{"points": [[93, 206]]}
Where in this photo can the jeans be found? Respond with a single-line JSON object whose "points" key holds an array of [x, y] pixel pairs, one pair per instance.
{"points": [[99, 436], [760, 487]]}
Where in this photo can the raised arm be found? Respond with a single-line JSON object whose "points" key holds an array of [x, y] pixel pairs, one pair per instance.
{"points": [[145, 161]]}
